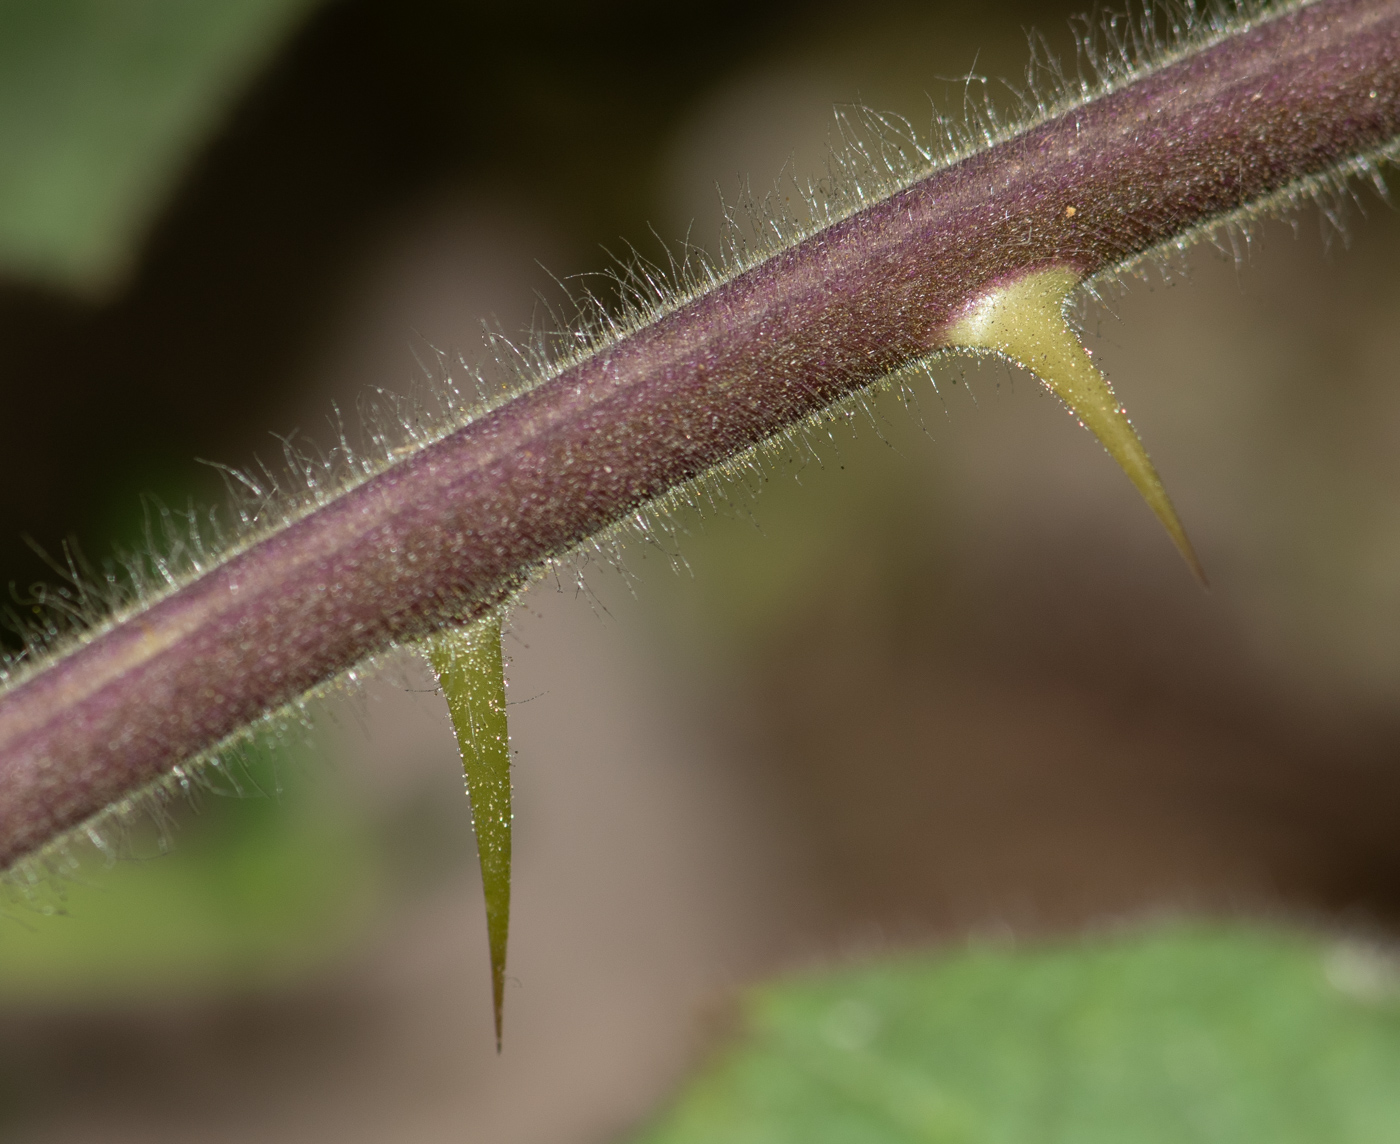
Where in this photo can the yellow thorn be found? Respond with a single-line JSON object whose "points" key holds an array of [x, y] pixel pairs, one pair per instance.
{"points": [[471, 671], [1025, 321]]}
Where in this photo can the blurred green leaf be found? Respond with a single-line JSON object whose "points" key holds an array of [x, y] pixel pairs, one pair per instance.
{"points": [[102, 104], [1180, 1036], [258, 891]]}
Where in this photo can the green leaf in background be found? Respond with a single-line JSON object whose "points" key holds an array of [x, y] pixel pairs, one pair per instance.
{"points": [[102, 105], [257, 893], [1173, 1037]]}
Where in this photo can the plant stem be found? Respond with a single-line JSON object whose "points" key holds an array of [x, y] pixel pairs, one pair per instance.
{"points": [[460, 525]]}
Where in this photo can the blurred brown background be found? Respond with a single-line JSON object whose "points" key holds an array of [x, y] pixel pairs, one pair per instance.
{"points": [[949, 679]]}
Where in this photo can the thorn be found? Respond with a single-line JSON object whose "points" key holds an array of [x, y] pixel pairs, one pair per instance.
{"points": [[1025, 321], [470, 668]]}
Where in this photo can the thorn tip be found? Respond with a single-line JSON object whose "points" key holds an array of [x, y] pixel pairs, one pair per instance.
{"points": [[470, 668], [1025, 322]]}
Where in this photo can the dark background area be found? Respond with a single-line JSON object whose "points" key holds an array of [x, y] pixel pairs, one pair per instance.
{"points": [[371, 110]]}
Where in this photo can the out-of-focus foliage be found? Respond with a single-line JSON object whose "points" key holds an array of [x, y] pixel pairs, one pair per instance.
{"points": [[102, 104], [258, 892], [1178, 1036]]}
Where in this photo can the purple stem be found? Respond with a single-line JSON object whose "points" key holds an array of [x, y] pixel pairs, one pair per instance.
{"points": [[457, 527]]}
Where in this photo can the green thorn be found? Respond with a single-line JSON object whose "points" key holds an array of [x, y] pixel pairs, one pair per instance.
{"points": [[471, 671], [1025, 321]]}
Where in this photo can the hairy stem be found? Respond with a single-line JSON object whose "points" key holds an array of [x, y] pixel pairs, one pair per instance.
{"points": [[456, 527]]}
